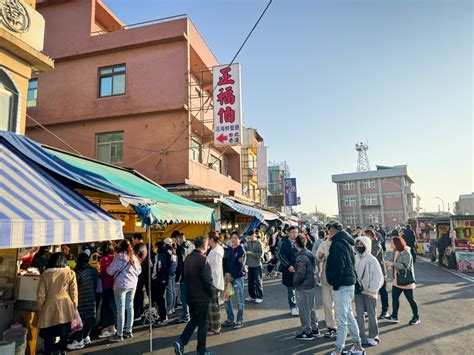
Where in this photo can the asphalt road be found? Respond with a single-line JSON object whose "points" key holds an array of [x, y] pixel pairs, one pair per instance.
{"points": [[446, 306]]}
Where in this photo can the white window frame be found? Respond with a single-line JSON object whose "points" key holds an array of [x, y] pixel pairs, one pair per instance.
{"points": [[348, 185], [349, 201], [372, 218], [368, 184], [116, 142], [196, 151], [370, 200], [215, 163]]}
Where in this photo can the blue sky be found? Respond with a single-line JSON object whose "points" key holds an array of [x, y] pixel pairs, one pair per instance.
{"points": [[318, 76]]}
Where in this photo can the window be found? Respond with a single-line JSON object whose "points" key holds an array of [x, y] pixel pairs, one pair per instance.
{"points": [[372, 218], [368, 184], [109, 147], [196, 148], [350, 220], [112, 81], [370, 200], [392, 195], [349, 201], [8, 103], [348, 185], [215, 163], [32, 93]]}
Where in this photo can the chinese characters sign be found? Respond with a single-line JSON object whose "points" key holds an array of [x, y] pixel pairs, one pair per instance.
{"points": [[290, 192], [227, 107]]}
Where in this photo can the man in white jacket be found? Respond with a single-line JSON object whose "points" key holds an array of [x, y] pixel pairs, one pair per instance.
{"points": [[371, 277]]}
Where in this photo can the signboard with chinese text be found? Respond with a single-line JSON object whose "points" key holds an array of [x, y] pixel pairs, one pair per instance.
{"points": [[291, 198], [227, 105], [262, 168]]}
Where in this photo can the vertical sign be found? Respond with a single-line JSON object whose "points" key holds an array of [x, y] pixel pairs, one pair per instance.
{"points": [[262, 169], [227, 105], [290, 192]]}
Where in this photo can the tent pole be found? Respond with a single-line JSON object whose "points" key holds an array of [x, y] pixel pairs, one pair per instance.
{"points": [[149, 287]]}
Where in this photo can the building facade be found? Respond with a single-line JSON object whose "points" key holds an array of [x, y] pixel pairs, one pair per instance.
{"points": [[465, 204], [277, 173], [21, 45], [253, 187], [134, 96], [382, 196]]}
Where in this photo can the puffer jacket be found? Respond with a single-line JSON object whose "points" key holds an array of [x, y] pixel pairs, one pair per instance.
{"points": [[368, 269], [303, 278], [340, 269], [286, 254], [86, 277]]}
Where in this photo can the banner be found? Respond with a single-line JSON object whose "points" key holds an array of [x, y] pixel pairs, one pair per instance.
{"points": [[262, 168], [290, 192], [227, 105]]}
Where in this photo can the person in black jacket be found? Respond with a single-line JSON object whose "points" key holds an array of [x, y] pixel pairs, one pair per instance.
{"points": [[160, 277], [341, 275], [287, 255], [199, 291], [87, 278], [40, 259], [183, 249], [410, 239]]}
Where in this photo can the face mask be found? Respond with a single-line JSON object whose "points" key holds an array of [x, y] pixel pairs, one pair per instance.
{"points": [[361, 249]]}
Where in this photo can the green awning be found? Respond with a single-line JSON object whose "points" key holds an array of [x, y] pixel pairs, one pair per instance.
{"points": [[153, 203]]}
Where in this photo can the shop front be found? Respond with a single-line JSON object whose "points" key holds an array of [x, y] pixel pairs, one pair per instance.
{"points": [[462, 228]]}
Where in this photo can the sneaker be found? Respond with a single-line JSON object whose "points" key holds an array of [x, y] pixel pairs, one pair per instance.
{"points": [[116, 338], [295, 311], [330, 333], [373, 341], [414, 321], [228, 323], [250, 299], [384, 315], [392, 319], [238, 325], [169, 313], [213, 332], [182, 320], [127, 335], [316, 333], [137, 319], [355, 351], [87, 340], [209, 353], [106, 334], [178, 348], [178, 307], [75, 345], [318, 284], [162, 322], [258, 300], [304, 336]]}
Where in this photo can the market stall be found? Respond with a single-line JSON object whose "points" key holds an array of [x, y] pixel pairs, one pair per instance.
{"points": [[424, 227], [462, 233]]}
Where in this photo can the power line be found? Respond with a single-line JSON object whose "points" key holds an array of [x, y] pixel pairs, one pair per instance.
{"points": [[232, 61]]}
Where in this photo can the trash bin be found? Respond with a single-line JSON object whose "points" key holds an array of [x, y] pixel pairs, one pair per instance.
{"points": [[7, 348], [18, 335]]}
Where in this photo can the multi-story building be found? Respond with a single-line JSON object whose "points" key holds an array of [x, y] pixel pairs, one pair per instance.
{"points": [[465, 204], [252, 187], [277, 173], [134, 96], [378, 196], [21, 45]]}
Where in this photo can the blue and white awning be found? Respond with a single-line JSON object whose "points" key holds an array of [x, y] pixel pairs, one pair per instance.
{"points": [[37, 209], [261, 215]]}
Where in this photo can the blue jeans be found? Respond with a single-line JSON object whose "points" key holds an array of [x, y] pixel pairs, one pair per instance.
{"points": [[184, 304], [345, 316], [291, 297], [239, 293], [170, 293], [124, 301]]}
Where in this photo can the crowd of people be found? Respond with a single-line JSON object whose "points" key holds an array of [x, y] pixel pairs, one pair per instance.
{"points": [[108, 287]]}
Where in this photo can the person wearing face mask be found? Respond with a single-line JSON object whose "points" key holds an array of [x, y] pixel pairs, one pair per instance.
{"points": [[371, 277]]}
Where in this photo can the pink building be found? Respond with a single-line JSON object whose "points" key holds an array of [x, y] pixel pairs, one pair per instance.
{"points": [[379, 196], [128, 95]]}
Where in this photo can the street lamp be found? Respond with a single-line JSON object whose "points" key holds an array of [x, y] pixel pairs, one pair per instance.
{"points": [[439, 198]]}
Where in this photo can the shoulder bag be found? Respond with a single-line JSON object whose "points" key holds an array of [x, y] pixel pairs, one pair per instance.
{"points": [[405, 277]]}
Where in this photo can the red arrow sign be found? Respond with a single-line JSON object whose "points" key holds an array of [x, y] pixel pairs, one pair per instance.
{"points": [[222, 138]]}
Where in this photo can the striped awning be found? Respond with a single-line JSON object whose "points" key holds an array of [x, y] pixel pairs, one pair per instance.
{"points": [[38, 209], [260, 214]]}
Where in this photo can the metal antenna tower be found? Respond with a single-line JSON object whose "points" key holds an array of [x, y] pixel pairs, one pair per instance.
{"points": [[362, 160]]}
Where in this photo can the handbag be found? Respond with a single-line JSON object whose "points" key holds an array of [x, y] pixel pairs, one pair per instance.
{"points": [[358, 284], [76, 323], [405, 277]]}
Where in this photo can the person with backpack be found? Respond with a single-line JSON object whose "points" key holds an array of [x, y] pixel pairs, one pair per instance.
{"points": [[341, 275], [403, 280], [410, 240], [160, 276], [371, 278], [304, 282], [86, 277], [287, 257], [254, 252]]}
